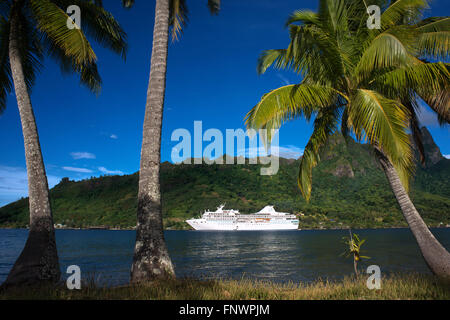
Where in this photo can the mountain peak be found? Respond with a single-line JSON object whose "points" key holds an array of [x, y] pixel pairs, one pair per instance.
{"points": [[432, 152]]}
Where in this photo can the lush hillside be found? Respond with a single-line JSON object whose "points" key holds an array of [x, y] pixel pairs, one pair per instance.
{"points": [[348, 189]]}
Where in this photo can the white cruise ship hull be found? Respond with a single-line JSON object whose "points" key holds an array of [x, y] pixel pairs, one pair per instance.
{"points": [[201, 224]]}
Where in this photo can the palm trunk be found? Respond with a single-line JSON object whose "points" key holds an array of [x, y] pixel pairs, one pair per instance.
{"points": [[38, 261], [151, 259], [355, 266], [435, 255]]}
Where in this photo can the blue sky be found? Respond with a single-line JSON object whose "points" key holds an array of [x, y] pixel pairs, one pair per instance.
{"points": [[211, 77]]}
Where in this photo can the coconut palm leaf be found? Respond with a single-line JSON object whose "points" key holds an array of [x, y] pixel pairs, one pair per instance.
{"points": [[434, 38], [432, 77], [324, 125], [288, 103], [6, 85], [52, 21], [311, 52], [126, 3], [390, 49], [383, 121], [214, 6], [178, 17], [305, 17], [333, 15], [439, 102], [396, 12], [99, 25], [377, 75], [434, 45], [433, 24], [26, 28], [276, 57], [30, 50]]}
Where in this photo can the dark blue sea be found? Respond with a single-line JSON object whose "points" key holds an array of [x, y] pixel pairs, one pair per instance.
{"points": [[299, 256]]}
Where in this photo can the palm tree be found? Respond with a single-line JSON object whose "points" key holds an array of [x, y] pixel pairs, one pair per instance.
{"points": [[151, 259], [28, 30], [354, 245], [369, 81]]}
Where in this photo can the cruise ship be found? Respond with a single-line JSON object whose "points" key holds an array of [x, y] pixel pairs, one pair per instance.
{"points": [[266, 219]]}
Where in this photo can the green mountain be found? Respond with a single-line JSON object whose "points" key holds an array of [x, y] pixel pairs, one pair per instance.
{"points": [[349, 189]]}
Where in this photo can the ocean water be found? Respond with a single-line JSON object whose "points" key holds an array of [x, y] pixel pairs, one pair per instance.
{"points": [[105, 256]]}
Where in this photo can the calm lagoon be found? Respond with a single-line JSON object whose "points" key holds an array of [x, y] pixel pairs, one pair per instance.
{"points": [[280, 256]]}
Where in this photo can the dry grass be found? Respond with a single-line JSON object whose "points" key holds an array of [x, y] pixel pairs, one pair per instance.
{"points": [[403, 287]]}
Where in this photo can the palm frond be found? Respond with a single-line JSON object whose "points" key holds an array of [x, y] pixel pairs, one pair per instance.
{"points": [[100, 25], [345, 126], [276, 57], [397, 11], [324, 125], [390, 49], [6, 85], [439, 102], [333, 15], [315, 53], [305, 17], [434, 38], [90, 77], [52, 21], [178, 17], [384, 123], [287, 103], [420, 77], [433, 24], [214, 6], [434, 45], [88, 73], [30, 50], [127, 3]]}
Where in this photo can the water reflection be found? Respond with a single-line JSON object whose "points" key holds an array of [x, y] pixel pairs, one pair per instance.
{"points": [[279, 256]]}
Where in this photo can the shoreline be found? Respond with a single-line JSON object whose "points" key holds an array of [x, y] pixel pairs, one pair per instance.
{"points": [[303, 229]]}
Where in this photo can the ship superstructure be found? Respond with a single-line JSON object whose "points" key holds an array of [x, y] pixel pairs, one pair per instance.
{"points": [[266, 219]]}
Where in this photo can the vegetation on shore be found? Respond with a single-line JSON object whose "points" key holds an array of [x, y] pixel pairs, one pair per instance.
{"points": [[350, 190], [403, 287]]}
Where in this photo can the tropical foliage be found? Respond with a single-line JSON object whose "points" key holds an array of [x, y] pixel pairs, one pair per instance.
{"points": [[179, 14], [44, 32], [354, 244], [368, 82], [360, 198], [30, 30]]}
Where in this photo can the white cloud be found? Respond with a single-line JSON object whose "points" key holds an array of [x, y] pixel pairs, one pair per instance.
{"points": [[288, 152], [14, 183], [447, 156], [114, 136], [80, 170], [106, 171], [82, 155]]}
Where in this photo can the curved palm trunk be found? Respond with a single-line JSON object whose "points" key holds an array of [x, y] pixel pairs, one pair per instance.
{"points": [[38, 261], [151, 259], [435, 255]]}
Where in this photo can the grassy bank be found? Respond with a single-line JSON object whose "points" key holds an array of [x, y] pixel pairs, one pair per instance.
{"points": [[417, 287]]}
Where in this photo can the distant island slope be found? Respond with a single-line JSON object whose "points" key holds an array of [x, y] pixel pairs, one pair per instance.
{"points": [[349, 189]]}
